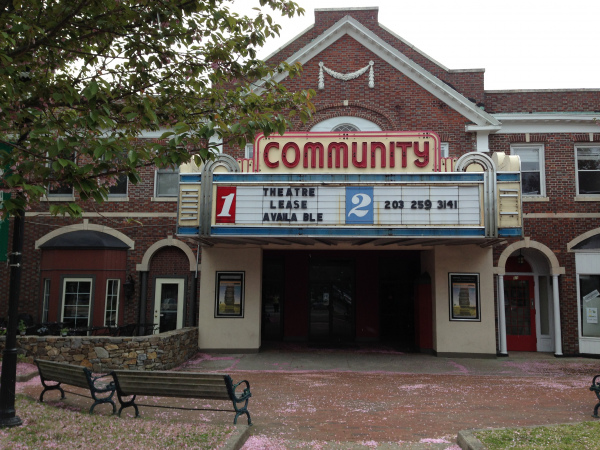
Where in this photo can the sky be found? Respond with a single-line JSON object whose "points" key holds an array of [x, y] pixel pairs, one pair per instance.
{"points": [[521, 44]]}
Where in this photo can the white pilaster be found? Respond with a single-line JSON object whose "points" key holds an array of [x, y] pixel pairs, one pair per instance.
{"points": [[557, 336], [501, 316], [482, 141]]}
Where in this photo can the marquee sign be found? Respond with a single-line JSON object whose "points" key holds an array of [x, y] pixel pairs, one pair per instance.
{"points": [[360, 184], [362, 205], [350, 152]]}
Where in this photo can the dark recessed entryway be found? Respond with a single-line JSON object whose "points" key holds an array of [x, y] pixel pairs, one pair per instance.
{"points": [[341, 297]]}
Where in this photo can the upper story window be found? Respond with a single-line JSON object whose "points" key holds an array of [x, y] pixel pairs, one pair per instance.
{"points": [[120, 188], [345, 124], [587, 169], [55, 189], [249, 151], [345, 127], [533, 180], [60, 190], [167, 182], [444, 150]]}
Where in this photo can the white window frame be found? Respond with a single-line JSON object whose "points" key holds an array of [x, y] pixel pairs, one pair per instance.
{"points": [[106, 302], [249, 151], [541, 163], [59, 196], [444, 150], [359, 122], [353, 127], [64, 290], [577, 147], [157, 173], [119, 195]]}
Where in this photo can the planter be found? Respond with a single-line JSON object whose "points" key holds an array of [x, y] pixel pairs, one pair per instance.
{"points": [[22, 333]]}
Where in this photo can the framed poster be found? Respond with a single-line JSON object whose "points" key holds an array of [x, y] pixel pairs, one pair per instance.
{"points": [[229, 298], [464, 297]]}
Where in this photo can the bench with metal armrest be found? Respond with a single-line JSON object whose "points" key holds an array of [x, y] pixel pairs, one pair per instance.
{"points": [[210, 386], [79, 376]]}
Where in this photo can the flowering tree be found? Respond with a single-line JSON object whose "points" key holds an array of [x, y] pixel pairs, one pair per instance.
{"points": [[80, 80]]}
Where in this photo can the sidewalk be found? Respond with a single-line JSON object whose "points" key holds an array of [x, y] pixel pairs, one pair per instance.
{"points": [[372, 396]]}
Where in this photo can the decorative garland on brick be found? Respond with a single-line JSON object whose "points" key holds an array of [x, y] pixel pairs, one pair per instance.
{"points": [[346, 76]]}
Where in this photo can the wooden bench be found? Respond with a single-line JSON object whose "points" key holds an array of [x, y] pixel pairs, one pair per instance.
{"points": [[208, 386], [595, 388], [75, 376]]}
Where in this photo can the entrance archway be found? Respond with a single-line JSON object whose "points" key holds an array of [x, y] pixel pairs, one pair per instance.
{"points": [[528, 298]]}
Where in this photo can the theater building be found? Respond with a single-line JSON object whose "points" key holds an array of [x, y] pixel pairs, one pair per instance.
{"points": [[415, 208]]}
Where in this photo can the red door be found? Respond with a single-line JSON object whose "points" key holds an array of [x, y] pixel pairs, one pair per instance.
{"points": [[519, 303]]}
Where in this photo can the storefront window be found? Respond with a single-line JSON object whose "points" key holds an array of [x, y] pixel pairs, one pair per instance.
{"points": [[589, 292], [77, 296], [112, 303], [46, 303]]}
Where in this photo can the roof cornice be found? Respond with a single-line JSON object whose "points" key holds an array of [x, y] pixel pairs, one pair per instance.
{"points": [[351, 27], [548, 117], [549, 122]]}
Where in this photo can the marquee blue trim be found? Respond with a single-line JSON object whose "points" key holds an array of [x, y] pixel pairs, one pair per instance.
{"points": [[188, 231], [190, 178], [508, 177], [347, 232], [510, 232], [344, 178]]}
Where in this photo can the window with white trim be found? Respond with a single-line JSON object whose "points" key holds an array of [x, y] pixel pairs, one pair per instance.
{"points": [[55, 189], [345, 127], [76, 302], [355, 124], [533, 180], [249, 151], [589, 302], [46, 301], [444, 150], [119, 189], [587, 168], [111, 306], [167, 182]]}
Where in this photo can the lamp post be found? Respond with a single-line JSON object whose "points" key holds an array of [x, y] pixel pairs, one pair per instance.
{"points": [[8, 379], [8, 417]]}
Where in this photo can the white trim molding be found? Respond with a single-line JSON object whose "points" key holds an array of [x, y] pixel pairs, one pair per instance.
{"points": [[346, 76], [581, 238], [555, 268], [89, 227], [513, 123], [169, 242], [349, 26]]}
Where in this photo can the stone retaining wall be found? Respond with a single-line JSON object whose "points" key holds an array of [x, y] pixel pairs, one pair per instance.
{"points": [[102, 353]]}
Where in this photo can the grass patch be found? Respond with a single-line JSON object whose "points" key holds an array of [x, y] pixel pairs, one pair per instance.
{"points": [[584, 435], [46, 426]]}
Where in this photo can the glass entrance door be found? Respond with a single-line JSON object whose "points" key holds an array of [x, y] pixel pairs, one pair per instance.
{"points": [[331, 300], [273, 288], [519, 301], [168, 305]]}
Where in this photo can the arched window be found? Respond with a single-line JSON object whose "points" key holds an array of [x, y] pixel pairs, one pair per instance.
{"points": [[345, 124], [345, 127]]}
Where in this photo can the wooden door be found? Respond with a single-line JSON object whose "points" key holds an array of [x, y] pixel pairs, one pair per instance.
{"points": [[519, 303]]}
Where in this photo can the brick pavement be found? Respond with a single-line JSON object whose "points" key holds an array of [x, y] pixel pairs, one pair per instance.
{"points": [[308, 395]]}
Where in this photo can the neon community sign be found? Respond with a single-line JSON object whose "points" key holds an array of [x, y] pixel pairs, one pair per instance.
{"points": [[373, 152]]}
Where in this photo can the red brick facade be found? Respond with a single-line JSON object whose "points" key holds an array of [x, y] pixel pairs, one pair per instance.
{"points": [[396, 102]]}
